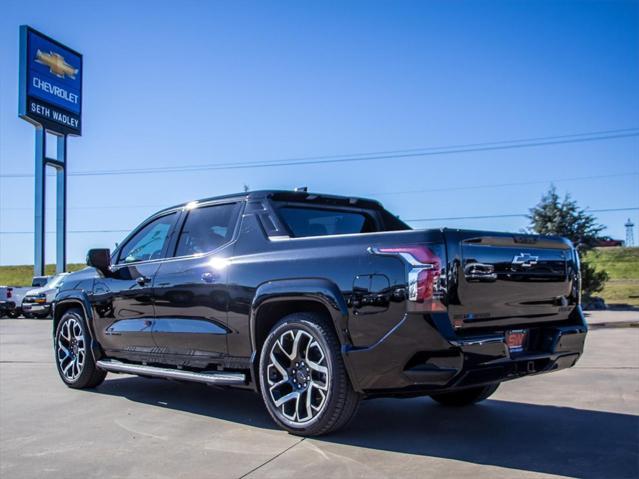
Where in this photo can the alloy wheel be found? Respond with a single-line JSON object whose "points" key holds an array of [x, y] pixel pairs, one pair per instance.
{"points": [[71, 349], [298, 376]]}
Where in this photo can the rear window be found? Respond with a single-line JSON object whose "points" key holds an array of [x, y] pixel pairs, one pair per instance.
{"points": [[303, 222]]}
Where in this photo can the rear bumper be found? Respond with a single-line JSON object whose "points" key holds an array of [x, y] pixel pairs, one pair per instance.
{"points": [[416, 358]]}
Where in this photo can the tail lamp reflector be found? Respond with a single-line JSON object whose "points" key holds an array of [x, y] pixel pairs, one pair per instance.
{"points": [[423, 275]]}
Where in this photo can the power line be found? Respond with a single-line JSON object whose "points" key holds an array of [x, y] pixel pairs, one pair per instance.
{"points": [[510, 215], [501, 185], [371, 156], [69, 231], [388, 193], [101, 207], [388, 154]]}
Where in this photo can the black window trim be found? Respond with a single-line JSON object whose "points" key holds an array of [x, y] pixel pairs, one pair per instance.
{"points": [[172, 247], [280, 231], [115, 256]]}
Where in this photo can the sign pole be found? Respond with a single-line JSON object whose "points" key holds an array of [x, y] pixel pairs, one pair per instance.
{"points": [[61, 206], [50, 98], [40, 152]]}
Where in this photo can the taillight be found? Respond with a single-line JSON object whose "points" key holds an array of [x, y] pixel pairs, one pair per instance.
{"points": [[9, 292], [423, 276], [415, 255]]}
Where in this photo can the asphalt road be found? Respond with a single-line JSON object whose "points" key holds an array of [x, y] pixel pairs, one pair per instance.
{"points": [[582, 422]]}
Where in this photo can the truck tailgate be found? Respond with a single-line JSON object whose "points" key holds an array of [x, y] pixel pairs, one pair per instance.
{"points": [[500, 280]]}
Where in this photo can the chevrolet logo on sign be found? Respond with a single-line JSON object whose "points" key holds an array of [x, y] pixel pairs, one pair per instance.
{"points": [[56, 63]]}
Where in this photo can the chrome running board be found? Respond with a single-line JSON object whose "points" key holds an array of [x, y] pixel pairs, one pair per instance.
{"points": [[217, 378]]}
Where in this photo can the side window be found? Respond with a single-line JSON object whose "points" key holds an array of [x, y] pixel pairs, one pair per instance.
{"points": [[148, 243], [305, 222], [207, 228]]}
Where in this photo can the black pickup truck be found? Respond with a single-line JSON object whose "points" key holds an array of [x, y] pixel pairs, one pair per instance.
{"points": [[319, 301]]}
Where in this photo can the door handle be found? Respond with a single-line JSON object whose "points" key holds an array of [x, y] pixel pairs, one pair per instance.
{"points": [[142, 280]]}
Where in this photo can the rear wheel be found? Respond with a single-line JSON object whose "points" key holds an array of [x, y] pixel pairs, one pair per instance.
{"points": [[13, 314], [465, 397], [73, 358], [303, 379]]}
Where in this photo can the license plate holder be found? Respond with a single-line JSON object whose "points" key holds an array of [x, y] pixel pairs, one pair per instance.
{"points": [[516, 339]]}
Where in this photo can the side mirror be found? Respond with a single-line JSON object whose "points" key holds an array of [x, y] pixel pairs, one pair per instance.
{"points": [[100, 259]]}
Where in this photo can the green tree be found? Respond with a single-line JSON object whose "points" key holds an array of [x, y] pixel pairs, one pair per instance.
{"points": [[563, 217]]}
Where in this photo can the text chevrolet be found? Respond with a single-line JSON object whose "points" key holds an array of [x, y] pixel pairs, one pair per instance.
{"points": [[317, 302]]}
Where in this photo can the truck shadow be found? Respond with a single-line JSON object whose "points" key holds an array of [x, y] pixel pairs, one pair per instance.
{"points": [[529, 437]]}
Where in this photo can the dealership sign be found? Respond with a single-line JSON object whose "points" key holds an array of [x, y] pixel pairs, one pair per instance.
{"points": [[50, 83], [50, 98]]}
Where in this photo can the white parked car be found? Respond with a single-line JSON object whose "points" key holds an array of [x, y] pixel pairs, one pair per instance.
{"points": [[37, 302]]}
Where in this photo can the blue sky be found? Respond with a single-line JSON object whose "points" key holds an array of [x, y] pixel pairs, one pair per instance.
{"points": [[186, 83]]}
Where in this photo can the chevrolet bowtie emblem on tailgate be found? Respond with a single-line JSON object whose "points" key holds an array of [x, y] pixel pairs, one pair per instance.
{"points": [[525, 260], [57, 64]]}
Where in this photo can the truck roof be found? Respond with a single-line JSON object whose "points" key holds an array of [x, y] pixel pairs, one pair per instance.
{"points": [[288, 195]]}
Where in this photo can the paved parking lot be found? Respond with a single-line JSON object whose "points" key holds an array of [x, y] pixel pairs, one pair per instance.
{"points": [[583, 422]]}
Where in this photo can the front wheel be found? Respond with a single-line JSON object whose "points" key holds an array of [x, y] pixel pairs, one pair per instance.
{"points": [[13, 314], [303, 379], [465, 397], [74, 360]]}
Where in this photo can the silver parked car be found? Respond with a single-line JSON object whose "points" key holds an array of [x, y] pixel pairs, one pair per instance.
{"points": [[37, 302]]}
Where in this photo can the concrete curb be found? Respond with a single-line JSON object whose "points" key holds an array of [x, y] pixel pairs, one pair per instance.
{"points": [[614, 324]]}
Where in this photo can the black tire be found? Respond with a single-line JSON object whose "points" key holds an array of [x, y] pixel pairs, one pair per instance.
{"points": [[336, 406], [13, 314], [465, 397], [73, 343]]}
